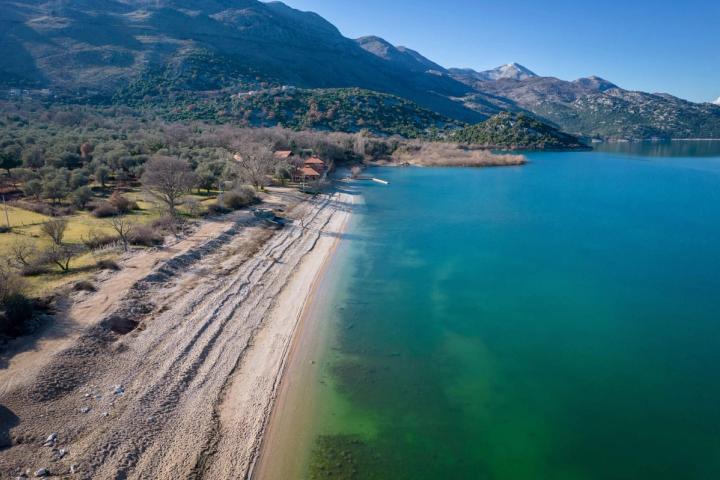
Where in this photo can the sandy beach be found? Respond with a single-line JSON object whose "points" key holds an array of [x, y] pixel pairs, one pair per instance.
{"points": [[171, 369]]}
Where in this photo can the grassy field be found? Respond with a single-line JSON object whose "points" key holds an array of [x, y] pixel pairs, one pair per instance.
{"points": [[26, 226]]}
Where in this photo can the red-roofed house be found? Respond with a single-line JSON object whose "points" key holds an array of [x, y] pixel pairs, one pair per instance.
{"points": [[283, 154], [308, 173], [316, 164]]}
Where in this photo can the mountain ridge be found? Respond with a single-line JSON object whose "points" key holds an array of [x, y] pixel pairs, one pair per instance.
{"points": [[512, 71], [92, 49]]}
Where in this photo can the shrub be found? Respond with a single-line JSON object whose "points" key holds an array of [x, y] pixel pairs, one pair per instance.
{"points": [[143, 235], [60, 255], [194, 208], [108, 265], [104, 210], [121, 203], [217, 209], [40, 208], [18, 311], [167, 224], [96, 240], [34, 269], [84, 286], [239, 198], [63, 211], [10, 284]]}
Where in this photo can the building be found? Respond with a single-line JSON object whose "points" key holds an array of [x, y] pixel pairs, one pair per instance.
{"points": [[308, 173], [316, 164], [283, 154]]}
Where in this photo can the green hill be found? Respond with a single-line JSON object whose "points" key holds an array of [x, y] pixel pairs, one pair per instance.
{"points": [[517, 132], [260, 104]]}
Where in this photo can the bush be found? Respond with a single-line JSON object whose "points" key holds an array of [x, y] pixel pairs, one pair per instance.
{"points": [[166, 224], [60, 255], [34, 269], [97, 240], [10, 284], [108, 265], [84, 286], [217, 209], [104, 210], [238, 198], [18, 311], [121, 203], [41, 208], [194, 208], [144, 236]]}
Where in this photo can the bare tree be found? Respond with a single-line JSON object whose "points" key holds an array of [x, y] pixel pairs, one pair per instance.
{"points": [[168, 179], [55, 229], [23, 252], [122, 226], [61, 255], [255, 162]]}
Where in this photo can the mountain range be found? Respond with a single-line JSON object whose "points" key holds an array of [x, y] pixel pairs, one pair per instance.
{"points": [[97, 48]]}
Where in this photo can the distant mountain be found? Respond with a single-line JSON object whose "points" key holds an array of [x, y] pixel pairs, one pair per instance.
{"points": [[100, 46], [511, 71], [596, 107], [196, 51], [510, 131], [406, 57]]}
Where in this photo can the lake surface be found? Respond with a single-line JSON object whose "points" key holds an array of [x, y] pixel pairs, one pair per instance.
{"points": [[555, 321]]}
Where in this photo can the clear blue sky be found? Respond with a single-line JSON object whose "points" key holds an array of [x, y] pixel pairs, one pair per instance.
{"points": [[656, 46]]}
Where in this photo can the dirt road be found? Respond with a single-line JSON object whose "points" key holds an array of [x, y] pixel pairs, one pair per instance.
{"points": [[178, 378]]}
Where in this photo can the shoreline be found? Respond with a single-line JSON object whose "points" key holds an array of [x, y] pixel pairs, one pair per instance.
{"points": [[296, 359], [191, 391]]}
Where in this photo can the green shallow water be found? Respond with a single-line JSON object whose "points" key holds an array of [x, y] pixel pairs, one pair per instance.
{"points": [[555, 321]]}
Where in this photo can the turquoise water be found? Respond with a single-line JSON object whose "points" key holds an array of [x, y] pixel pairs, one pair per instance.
{"points": [[555, 321]]}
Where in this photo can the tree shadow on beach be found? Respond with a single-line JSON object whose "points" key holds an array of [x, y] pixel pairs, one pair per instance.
{"points": [[8, 420]]}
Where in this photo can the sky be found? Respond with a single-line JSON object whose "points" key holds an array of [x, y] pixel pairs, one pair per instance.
{"points": [[653, 46]]}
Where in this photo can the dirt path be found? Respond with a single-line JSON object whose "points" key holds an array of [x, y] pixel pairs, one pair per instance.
{"points": [[177, 377]]}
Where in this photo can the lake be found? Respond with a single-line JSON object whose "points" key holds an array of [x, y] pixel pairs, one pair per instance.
{"points": [[559, 320]]}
